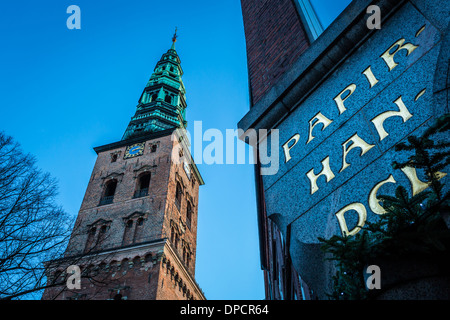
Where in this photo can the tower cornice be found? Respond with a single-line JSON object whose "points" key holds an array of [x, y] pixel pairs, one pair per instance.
{"points": [[137, 139]]}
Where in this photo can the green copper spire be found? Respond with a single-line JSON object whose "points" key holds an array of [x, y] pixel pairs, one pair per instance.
{"points": [[162, 104]]}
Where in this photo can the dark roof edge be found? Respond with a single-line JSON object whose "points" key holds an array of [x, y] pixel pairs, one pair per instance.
{"points": [[123, 143]]}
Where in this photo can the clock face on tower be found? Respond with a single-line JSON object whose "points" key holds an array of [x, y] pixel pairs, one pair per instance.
{"points": [[134, 150]]}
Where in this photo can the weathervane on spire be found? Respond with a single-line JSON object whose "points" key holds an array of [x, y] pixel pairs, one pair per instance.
{"points": [[174, 39]]}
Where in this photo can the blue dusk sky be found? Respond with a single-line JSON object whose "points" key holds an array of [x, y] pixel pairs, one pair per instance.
{"points": [[64, 92]]}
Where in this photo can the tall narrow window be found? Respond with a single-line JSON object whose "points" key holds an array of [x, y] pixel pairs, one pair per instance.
{"points": [[178, 195], [189, 214], [168, 98], [172, 235], [142, 186], [138, 234], [174, 238], [110, 190], [128, 234]]}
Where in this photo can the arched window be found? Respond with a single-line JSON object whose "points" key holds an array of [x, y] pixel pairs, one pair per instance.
{"points": [[154, 97], [188, 214], [96, 236], [129, 224], [110, 188], [178, 195], [108, 194], [143, 183], [102, 234], [168, 98], [90, 239], [148, 257], [128, 234], [138, 231], [125, 264]]}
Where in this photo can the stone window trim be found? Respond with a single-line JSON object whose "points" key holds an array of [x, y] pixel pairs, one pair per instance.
{"points": [[98, 225], [145, 168], [135, 216], [111, 176]]}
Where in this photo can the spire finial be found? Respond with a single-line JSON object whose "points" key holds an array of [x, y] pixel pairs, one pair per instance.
{"points": [[174, 38]]}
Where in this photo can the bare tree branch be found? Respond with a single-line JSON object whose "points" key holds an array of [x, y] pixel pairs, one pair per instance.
{"points": [[33, 228]]}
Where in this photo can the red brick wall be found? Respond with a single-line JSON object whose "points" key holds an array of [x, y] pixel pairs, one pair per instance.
{"points": [[146, 273], [275, 38], [190, 191], [173, 283], [126, 172]]}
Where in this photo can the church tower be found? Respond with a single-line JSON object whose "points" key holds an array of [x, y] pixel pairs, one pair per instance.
{"points": [[136, 232]]}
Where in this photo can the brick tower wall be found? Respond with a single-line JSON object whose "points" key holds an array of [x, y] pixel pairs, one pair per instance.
{"points": [[190, 187], [125, 171], [275, 38]]}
